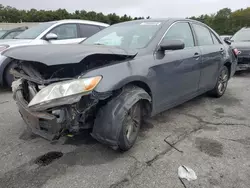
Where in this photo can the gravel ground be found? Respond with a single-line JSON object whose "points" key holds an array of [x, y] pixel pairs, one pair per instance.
{"points": [[211, 136]]}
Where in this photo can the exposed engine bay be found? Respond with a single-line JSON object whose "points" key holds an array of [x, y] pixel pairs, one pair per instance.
{"points": [[59, 116]]}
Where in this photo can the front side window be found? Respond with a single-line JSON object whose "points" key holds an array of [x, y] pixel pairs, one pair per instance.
{"points": [[180, 31], [134, 35], [88, 30], [203, 35], [65, 31]]}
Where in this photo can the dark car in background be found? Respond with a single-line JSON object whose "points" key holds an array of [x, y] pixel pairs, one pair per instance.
{"points": [[241, 40], [113, 80], [12, 33]]}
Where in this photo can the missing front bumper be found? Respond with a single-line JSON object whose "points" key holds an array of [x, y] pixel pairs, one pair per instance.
{"points": [[62, 117], [56, 122], [43, 124]]}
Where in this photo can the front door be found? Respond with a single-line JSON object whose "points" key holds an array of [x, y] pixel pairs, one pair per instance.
{"points": [[178, 71]]}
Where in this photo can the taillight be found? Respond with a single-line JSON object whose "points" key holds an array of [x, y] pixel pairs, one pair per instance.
{"points": [[236, 51]]}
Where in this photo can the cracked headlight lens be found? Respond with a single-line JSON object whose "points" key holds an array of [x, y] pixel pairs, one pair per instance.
{"points": [[64, 89]]}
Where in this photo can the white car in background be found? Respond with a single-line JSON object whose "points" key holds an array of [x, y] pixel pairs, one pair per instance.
{"points": [[54, 32]]}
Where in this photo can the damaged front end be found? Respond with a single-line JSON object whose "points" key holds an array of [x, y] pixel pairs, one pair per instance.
{"points": [[55, 100]]}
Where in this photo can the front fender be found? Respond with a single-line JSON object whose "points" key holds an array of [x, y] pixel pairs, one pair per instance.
{"points": [[118, 75], [110, 118]]}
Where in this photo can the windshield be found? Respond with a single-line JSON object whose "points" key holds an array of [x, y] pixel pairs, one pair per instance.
{"points": [[242, 35], [133, 35], [2, 32], [34, 32]]}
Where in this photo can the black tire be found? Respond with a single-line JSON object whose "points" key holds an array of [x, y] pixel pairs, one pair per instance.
{"points": [[221, 84], [8, 78], [124, 126]]}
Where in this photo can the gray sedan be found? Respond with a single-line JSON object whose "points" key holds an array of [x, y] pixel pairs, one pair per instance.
{"points": [[118, 77]]}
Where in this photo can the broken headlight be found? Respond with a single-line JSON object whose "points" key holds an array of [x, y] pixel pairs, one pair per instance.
{"points": [[62, 90]]}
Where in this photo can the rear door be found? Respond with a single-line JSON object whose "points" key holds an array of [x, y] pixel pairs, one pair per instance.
{"points": [[67, 34], [212, 56]]}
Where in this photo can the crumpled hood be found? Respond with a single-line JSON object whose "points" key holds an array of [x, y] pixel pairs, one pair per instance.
{"points": [[242, 45], [14, 42], [62, 54]]}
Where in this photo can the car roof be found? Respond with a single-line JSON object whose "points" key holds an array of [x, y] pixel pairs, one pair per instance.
{"points": [[80, 21], [19, 28], [246, 28], [164, 20]]}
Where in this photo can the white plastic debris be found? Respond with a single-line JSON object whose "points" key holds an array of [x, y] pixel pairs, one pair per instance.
{"points": [[187, 173]]}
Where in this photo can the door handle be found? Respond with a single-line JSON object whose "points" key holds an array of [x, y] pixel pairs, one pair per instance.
{"points": [[196, 55]]}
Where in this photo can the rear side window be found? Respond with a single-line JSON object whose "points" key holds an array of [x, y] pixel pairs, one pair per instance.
{"points": [[216, 41], [180, 31], [88, 30], [203, 35]]}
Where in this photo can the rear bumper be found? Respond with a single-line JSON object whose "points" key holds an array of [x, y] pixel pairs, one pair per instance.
{"points": [[243, 67]]}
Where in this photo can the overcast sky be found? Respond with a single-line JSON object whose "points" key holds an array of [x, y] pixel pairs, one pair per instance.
{"points": [[153, 8]]}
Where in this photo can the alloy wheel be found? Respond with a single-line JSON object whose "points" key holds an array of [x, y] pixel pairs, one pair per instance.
{"points": [[132, 122], [222, 82]]}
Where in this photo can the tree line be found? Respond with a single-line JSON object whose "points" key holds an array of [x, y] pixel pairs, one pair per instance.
{"points": [[225, 21], [13, 15]]}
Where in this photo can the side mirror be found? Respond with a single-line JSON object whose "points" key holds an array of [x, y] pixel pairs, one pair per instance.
{"points": [[227, 40], [51, 36], [172, 45]]}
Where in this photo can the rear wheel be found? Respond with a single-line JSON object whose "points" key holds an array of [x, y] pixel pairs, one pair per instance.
{"points": [[221, 84]]}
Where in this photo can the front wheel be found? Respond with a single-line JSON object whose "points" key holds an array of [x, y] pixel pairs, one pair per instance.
{"points": [[130, 127], [117, 123], [221, 84], [9, 78]]}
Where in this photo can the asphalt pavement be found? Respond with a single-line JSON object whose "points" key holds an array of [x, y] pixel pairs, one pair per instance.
{"points": [[211, 136]]}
